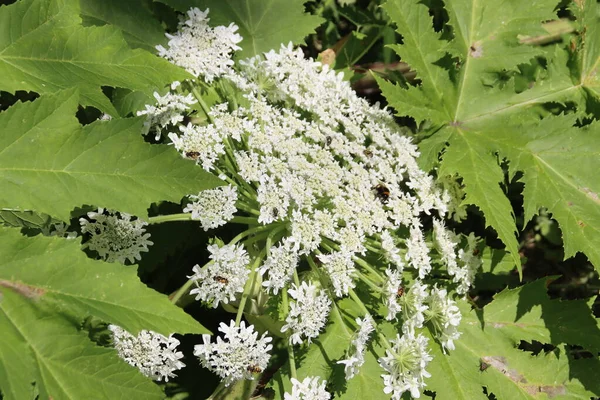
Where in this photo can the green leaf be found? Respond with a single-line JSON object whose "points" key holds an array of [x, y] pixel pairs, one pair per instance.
{"points": [[43, 352], [44, 48], [54, 271], [468, 92], [588, 47], [134, 18], [486, 353], [26, 219], [560, 163], [264, 24], [51, 164], [475, 162]]}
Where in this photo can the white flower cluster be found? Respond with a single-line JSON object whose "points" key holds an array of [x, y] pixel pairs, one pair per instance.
{"points": [[446, 242], [200, 49], [445, 317], [167, 111], [213, 207], [223, 277], [308, 314], [238, 355], [308, 389], [338, 185], [280, 265], [357, 358], [405, 365], [155, 355], [115, 238]]}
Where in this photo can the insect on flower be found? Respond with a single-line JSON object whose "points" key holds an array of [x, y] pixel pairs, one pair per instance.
{"points": [[192, 154], [220, 279], [255, 369], [382, 192], [400, 291]]}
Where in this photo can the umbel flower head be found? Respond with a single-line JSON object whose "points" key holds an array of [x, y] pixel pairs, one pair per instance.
{"points": [[202, 50], [405, 365], [308, 313], [332, 194], [238, 355], [223, 277], [115, 236], [155, 355], [213, 207]]}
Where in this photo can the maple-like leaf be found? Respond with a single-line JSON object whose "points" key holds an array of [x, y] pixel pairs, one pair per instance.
{"points": [[51, 164], [44, 48], [478, 119]]}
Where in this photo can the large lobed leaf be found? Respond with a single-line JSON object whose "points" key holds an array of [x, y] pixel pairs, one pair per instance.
{"points": [[44, 48], [476, 116], [486, 353], [47, 287], [51, 164], [264, 24], [43, 353], [55, 271]]}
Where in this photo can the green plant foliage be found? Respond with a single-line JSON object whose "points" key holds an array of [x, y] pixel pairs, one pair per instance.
{"points": [[60, 275], [486, 354], [26, 219], [134, 17], [44, 48], [478, 117], [48, 287], [42, 346], [264, 25], [45, 153]]}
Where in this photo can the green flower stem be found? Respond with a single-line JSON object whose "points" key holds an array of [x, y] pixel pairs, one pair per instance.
{"points": [[374, 243], [203, 105], [329, 244], [159, 219], [251, 231], [368, 282], [296, 279], [218, 391], [247, 208], [249, 191], [370, 269], [291, 360], [361, 305], [373, 249], [290, 348], [177, 295], [273, 237], [244, 220], [249, 284], [256, 238]]}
